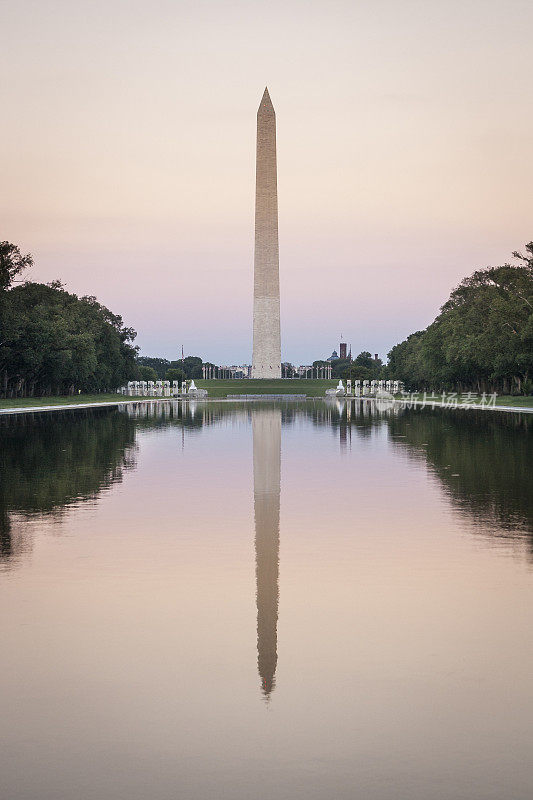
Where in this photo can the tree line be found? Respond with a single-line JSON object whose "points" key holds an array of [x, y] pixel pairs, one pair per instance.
{"points": [[482, 340], [154, 369], [53, 342]]}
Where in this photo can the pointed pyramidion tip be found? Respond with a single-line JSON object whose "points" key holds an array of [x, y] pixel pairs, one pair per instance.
{"points": [[266, 102]]}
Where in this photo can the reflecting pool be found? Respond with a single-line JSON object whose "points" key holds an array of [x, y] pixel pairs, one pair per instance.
{"points": [[293, 600]]}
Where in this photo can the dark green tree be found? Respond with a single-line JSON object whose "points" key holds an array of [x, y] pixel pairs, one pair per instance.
{"points": [[12, 263], [363, 367], [53, 342], [482, 339], [159, 365], [175, 375], [147, 373]]}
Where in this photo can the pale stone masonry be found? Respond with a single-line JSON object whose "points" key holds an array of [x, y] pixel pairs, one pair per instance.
{"points": [[266, 362]]}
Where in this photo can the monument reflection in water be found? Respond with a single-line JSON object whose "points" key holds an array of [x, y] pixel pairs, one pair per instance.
{"points": [[266, 427]]}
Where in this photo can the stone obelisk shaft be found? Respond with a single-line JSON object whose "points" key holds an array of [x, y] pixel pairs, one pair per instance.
{"points": [[266, 362]]}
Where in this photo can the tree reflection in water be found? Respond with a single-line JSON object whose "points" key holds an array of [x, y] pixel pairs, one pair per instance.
{"points": [[482, 458], [48, 461]]}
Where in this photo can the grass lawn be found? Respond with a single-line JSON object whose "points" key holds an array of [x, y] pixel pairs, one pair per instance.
{"points": [[35, 402], [501, 400], [215, 388], [311, 387], [508, 400]]}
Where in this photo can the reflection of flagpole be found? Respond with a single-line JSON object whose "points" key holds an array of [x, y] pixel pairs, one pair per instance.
{"points": [[266, 427]]}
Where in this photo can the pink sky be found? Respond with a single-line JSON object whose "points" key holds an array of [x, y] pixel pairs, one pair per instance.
{"points": [[404, 160]]}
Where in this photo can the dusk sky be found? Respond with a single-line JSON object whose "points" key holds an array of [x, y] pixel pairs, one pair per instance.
{"points": [[404, 130]]}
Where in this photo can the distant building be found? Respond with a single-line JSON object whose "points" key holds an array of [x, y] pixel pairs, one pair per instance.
{"points": [[333, 357], [342, 350], [234, 371]]}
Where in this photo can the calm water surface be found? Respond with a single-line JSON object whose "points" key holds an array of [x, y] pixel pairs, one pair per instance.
{"points": [[254, 601]]}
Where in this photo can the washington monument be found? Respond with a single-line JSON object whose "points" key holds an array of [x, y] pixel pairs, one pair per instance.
{"points": [[266, 361]]}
